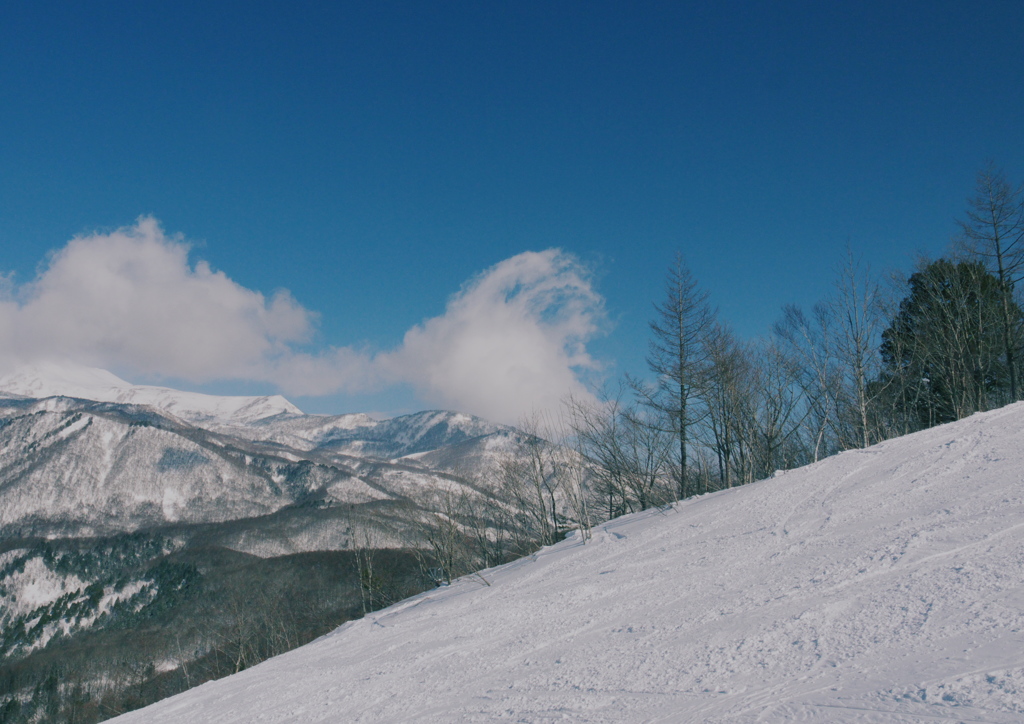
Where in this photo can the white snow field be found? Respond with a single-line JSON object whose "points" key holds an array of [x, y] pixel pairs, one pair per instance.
{"points": [[882, 585]]}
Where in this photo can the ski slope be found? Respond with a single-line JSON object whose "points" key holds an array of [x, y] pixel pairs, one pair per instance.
{"points": [[882, 585]]}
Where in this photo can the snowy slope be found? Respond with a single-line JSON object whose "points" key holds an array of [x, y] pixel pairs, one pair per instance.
{"points": [[50, 379], [884, 585]]}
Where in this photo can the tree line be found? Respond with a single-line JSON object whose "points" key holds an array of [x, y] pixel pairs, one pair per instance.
{"points": [[881, 356]]}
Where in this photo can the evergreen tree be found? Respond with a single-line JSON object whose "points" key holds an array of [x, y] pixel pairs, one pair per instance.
{"points": [[942, 353]]}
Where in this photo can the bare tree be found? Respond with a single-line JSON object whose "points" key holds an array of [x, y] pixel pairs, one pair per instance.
{"points": [[899, 393], [646, 456], [810, 342], [630, 454], [366, 541], [257, 627], [677, 359], [993, 233], [726, 396], [771, 435], [857, 313], [440, 527], [487, 522], [597, 430], [573, 467], [836, 351], [529, 478]]}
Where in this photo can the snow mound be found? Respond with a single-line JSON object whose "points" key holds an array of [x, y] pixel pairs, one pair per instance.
{"points": [[51, 379], [881, 585]]}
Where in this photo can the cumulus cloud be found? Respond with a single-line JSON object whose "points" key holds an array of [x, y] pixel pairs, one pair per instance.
{"points": [[130, 299], [511, 341]]}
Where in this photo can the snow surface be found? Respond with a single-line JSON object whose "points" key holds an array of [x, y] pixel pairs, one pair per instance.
{"points": [[33, 586], [882, 585], [51, 379]]}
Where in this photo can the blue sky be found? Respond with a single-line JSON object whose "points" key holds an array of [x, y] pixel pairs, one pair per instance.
{"points": [[374, 158]]}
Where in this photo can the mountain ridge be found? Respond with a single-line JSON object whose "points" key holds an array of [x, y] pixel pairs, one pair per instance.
{"points": [[72, 466], [53, 379]]}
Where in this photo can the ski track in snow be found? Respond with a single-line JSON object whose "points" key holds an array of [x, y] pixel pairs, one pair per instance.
{"points": [[883, 585]]}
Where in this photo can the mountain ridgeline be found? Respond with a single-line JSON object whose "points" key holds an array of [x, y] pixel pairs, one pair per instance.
{"points": [[82, 468]]}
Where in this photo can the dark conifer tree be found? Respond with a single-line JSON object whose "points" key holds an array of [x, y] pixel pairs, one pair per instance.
{"points": [[942, 353]]}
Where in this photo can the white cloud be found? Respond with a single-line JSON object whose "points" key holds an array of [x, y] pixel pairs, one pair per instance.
{"points": [[511, 341], [131, 300]]}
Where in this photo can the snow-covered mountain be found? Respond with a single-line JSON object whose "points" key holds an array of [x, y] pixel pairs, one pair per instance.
{"points": [[52, 379], [362, 436], [882, 585], [83, 453], [75, 467], [149, 523]]}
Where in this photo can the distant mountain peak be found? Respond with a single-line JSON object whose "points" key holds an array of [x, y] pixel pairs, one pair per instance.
{"points": [[50, 379], [67, 379]]}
